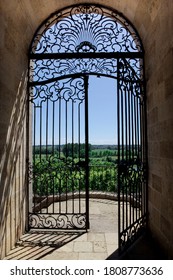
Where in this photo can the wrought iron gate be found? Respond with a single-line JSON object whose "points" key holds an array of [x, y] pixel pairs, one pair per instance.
{"points": [[60, 131], [69, 46], [131, 152]]}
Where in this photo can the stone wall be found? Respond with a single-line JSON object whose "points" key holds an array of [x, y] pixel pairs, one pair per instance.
{"points": [[159, 72], [13, 81], [19, 20]]}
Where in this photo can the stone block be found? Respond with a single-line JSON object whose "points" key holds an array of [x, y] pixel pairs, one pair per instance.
{"points": [[168, 183], [166, 150], [100, 247], [84, 246], [93, 256], [153, 8], [153, 116], [66, 248], [111, 238], [155, 199], [170, 210], [166, 130], [150, 96], [164, 207], [111, 248], [165, 227], [154, 132], [154, 148], [168, 86], [155, 217], [155, 165], [96, 237], [157, 183], [165, 110]]}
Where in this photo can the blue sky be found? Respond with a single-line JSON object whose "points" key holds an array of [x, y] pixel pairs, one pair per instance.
{"points": [[102, 110], [102, 116]]}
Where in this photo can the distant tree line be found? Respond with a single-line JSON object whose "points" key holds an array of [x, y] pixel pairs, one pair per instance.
{"points": [[68, 150], [75, 150]]}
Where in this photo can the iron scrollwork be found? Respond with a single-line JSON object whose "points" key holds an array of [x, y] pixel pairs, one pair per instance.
{"points": [[56, 221], [128, 236], [86, 28], [66, 89], [46, 69]]}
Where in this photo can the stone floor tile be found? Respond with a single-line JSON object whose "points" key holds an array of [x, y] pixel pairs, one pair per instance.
{"points": [[103, 223], [111, 238], [83, 246], [82, 237], [96, 236], [93, 256], [66, 248], [62, 256], [111, 248], [100, 246]]}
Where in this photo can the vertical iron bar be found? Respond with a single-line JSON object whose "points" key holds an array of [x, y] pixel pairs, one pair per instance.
{"points": [[135, 114], [33, 151], [118, 132], [59, 181], [29, 156], [144, 152], [138, 156], [40, 107], [53, 128], [141, 155], [86, 78], [59, 127], [47, 133], [135, 145], [129, 130], [40, 131], [47, 125], [72, 179], [66, 135], [34, 124], [132, 129], [53, 150], [79, 156], [122, 147], [66, 132], [126, 156]]}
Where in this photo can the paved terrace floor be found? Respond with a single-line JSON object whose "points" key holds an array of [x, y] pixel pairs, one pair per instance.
{"points": [[100, 243], [97, 244]]}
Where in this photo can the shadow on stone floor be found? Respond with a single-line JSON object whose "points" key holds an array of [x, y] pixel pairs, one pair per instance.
{"points": [[36, 245]]}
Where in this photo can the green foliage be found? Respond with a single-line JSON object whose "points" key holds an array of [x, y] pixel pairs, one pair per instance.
{"points": [[56, 177], [75, 150], [58, 172], [103, 178]]}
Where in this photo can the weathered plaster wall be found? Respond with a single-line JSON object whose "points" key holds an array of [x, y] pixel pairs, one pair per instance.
{"points": [[19, 20]]}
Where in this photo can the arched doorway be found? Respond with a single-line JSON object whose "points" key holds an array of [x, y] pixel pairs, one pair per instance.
{"points": [[69, 47]]}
